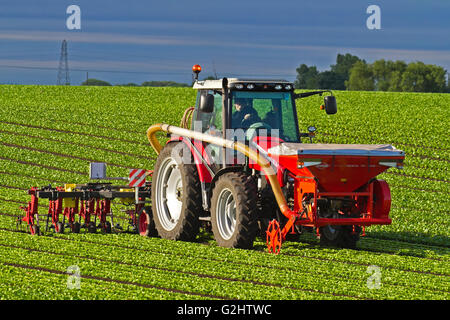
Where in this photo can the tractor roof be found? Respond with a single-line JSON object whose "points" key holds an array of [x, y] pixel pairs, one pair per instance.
{"points": [[217, 84]]}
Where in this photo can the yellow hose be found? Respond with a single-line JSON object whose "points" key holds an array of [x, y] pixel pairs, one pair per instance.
{"points": [[250, 153]]}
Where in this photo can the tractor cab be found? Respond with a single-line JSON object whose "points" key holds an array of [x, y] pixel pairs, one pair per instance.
{"points": [[233, 106], [255, 111], [229, 106]]}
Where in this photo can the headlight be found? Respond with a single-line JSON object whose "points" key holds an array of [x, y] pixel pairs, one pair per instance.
{"points": [[278, 87], [250, 86], [288, 87], [239, 86]]}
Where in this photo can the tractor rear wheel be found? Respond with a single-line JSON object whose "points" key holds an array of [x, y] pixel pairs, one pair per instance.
{"points": [[176, 194], [234, 210], [339, 236]]}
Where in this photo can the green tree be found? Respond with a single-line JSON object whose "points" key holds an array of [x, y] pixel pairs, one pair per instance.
{"points": [[131, 84], [163, 84], [307, 77], [388, 74], [361, 77], [95, 82], [420, 77], [329, 80], [340, 72]]}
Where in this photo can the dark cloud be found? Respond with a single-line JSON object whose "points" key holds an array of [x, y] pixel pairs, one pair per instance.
{"points": [[237, 37]]}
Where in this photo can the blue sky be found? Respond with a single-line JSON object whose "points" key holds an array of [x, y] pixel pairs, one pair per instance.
{"points": [[141, 40]]}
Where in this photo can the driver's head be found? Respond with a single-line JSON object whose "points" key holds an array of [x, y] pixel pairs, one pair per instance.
{"points": [[239, 104]]}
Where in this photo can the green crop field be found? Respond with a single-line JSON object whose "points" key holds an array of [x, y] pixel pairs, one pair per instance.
{"points": [[49, 134]]}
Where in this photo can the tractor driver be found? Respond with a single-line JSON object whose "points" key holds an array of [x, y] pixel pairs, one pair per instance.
{"points": [[272, 118], [244, 116]]}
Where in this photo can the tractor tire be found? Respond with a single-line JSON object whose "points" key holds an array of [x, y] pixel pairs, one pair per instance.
{"points": [[76, 227], [176, 194], [146, 225], [106, 227], [339, 236], [35, 230], [234, 210], [91, 227]]}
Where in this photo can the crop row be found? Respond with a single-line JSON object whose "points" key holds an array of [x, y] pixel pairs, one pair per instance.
{"points": [[436, 263], [413, 165], [17, 282], [313, 274], [388, 116], [436, 254], [210, 286]]}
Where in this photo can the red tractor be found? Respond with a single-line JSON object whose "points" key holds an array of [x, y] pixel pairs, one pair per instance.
{"points": [[243, 166]]}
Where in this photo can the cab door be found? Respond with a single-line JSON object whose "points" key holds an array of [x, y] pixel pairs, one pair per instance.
{"points": [[211, 124]]}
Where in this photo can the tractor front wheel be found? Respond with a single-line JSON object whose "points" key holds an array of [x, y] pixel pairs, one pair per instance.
{"points": [[234, 210]]}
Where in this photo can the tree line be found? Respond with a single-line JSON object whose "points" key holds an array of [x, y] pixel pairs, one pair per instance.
{"points": [[349, 73], [352, 73], [98, 82]]}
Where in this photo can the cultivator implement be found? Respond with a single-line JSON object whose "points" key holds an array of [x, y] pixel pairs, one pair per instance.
{"points": [[87, 206]]}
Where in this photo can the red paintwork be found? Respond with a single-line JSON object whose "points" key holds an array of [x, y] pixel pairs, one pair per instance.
{"points": [[266, 143], [203, 173], [340, 176]]}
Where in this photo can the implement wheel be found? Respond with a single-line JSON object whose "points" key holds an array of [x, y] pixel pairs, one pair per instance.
{"points": [[339, 236], [146, 225], [234, 210], [176, 194], [35, 230]]}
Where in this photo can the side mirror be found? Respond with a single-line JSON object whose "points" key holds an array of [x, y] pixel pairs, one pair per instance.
{"points": [[207, 103], [330, 104]]}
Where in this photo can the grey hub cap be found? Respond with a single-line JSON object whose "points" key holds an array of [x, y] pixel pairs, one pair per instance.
{"points": [[169, 193], [226, 214]]}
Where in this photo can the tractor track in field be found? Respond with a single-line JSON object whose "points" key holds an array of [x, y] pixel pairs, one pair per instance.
{"points": [[74, 132], [63, 155], [78, 144], [417, 209], [417, 177], [30, 177], [34, 164], [100, 126], [196, 274], [12, 187], [143, 285], [281, 268], [418, 189], [21, 202]]}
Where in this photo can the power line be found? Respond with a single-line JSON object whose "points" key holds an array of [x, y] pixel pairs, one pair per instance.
{"points": [[141, 72]]}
